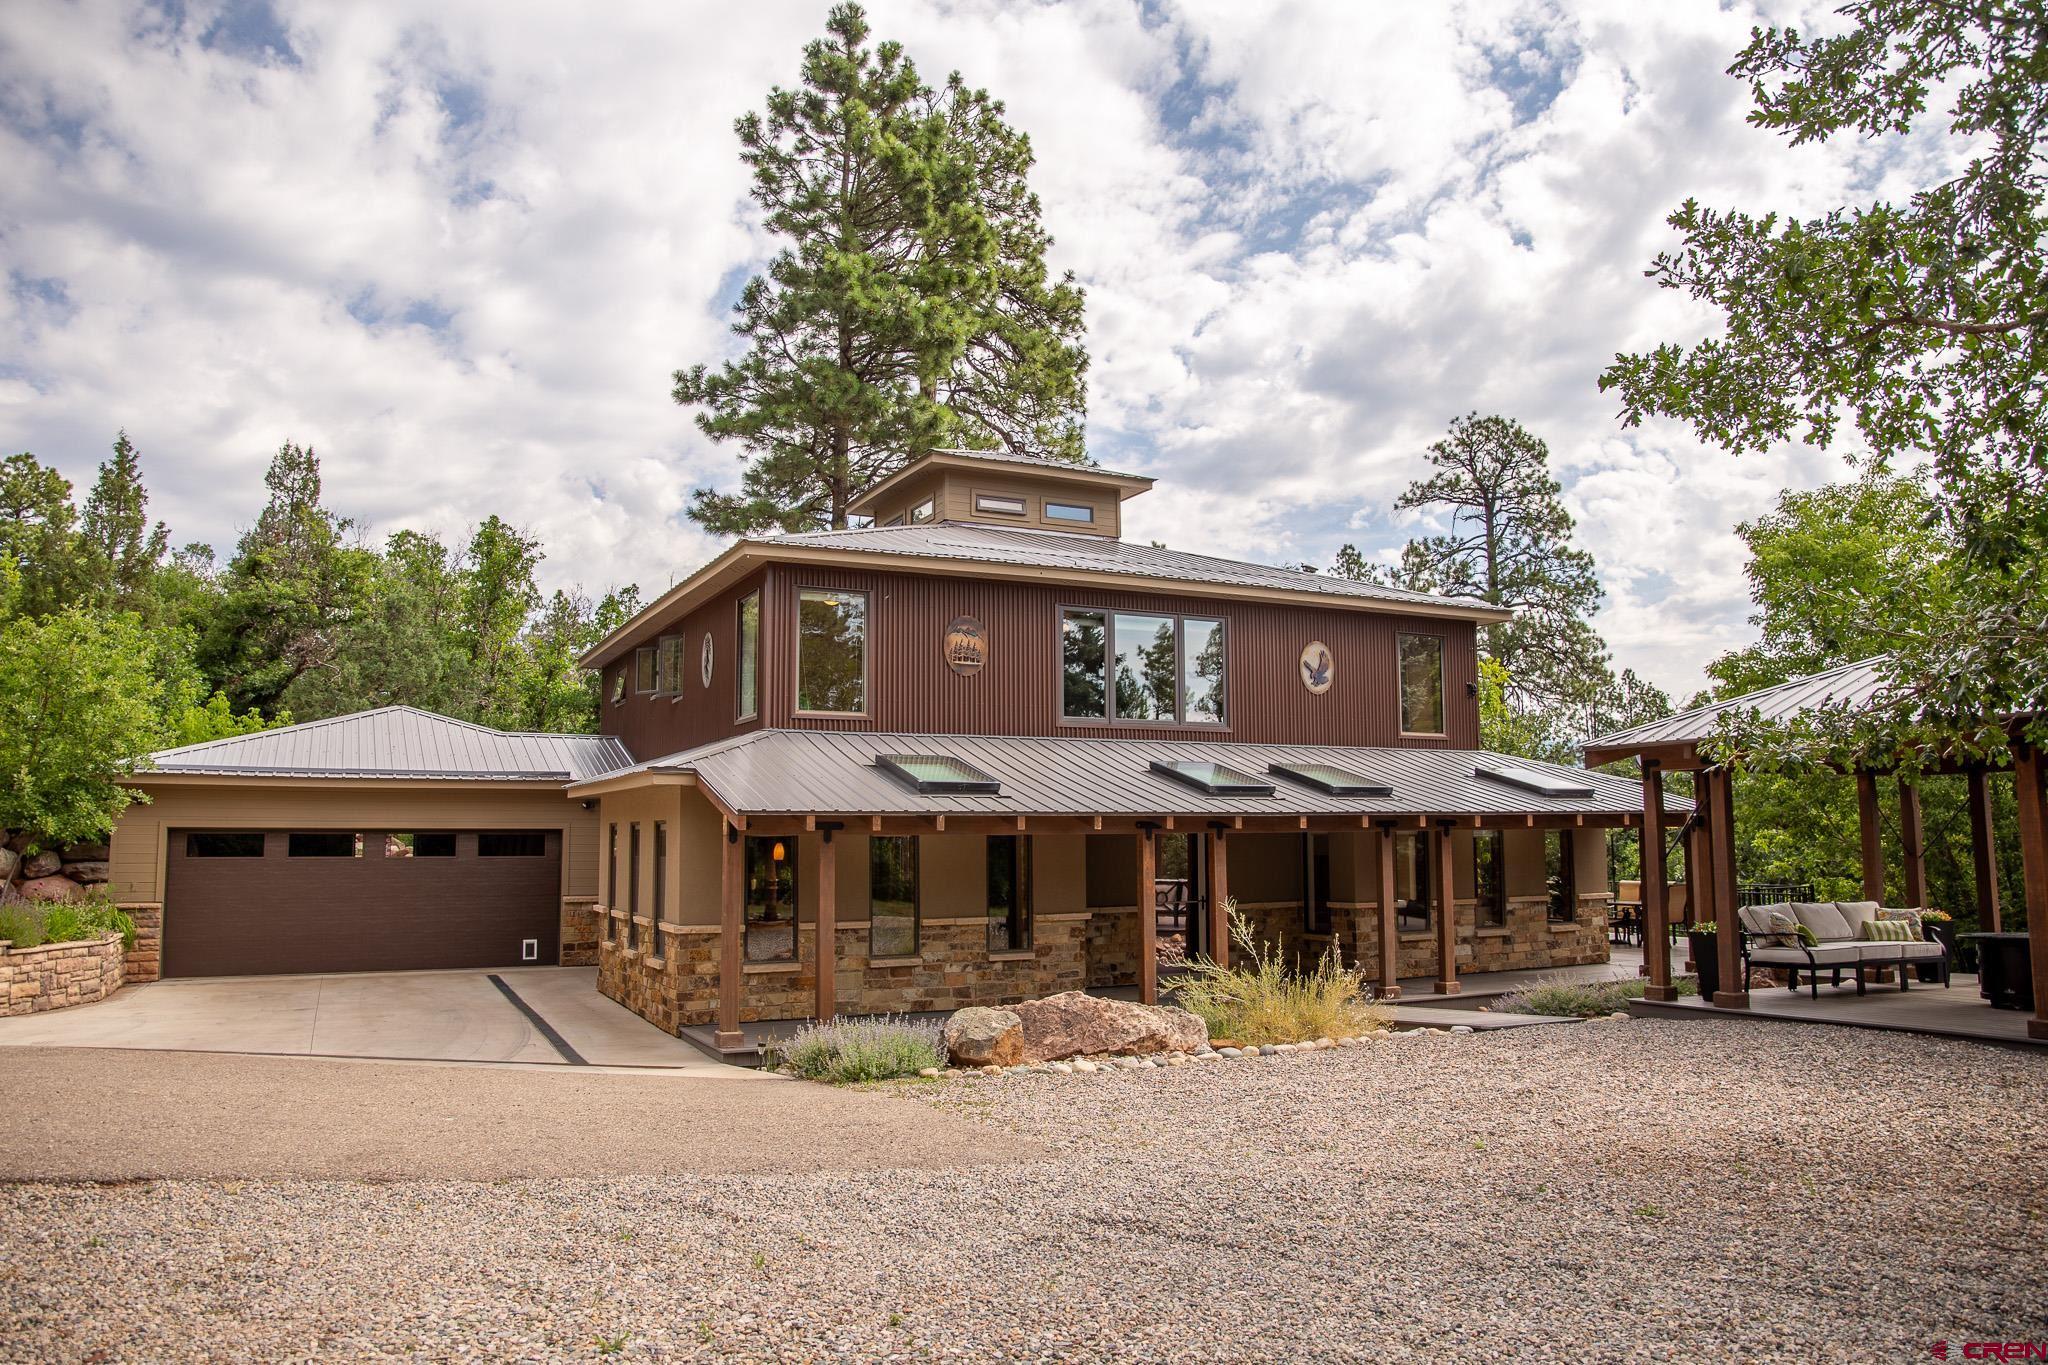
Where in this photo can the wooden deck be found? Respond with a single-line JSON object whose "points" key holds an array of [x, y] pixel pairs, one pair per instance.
{"points": [[1957, 1012]]}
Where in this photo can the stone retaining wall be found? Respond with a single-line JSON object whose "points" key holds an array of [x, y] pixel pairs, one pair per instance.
{"points": [[953, 968], [145, 961], [581, 919], [58, 974]]}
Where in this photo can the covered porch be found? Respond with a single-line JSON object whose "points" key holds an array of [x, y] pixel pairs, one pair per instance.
{"points": [[1680, 744], [794, 877]]}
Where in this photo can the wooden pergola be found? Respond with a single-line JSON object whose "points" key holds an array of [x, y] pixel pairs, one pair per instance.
{"points": [[1678, 745]]}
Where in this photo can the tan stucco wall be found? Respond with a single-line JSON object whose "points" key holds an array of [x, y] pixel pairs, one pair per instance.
{"points": [[138, 847]]}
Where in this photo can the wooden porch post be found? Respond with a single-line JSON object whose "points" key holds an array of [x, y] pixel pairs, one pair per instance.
{"points": [[1390, 934], [1148, 918], [1447, 912], [2033, 801], [1656, 912], [827, 949], [1870, 820], [1984, 850], [1727, 924], [1219, 892], [1913, 842], [732, 877], [1699, 857]]}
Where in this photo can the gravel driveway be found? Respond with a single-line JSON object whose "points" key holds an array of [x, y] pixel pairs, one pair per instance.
{"points": [[1612, 1191]]}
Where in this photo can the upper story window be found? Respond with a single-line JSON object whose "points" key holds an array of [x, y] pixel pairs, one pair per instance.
{"points": [[1079, 513], [747, 669], [1141, 668], [643, 669], [619, 685], [668, 668], [1422, 684], [999, 505], [831, 652], [924, 511]]}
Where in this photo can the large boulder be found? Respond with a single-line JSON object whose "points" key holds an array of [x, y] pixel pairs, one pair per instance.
{"points": [[1076, 1024], [979, 1036], [51, 890], [9, 860], [85, 853], [91, 873], [41, 864]]}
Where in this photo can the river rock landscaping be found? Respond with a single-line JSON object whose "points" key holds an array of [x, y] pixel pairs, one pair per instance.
{"points": [[1626, 1191]]}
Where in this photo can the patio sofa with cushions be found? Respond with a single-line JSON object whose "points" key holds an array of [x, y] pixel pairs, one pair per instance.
{"points": [[1838, 928]]}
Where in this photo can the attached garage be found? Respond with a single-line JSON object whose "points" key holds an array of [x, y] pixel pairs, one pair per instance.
{"points": [[389, 840], [241, 902]]}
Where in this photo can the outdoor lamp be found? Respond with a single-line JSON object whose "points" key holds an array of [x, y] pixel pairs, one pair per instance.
{"points": [[776, 852]]}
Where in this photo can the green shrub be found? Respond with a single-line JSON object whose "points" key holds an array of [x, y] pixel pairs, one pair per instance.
{"points": [[1584, 999], [1262, 1001], [848, 1050], [29, 925], [22, 929]]}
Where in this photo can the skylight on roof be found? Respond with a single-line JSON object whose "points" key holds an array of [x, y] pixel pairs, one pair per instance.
{"points": [[1330, 779], [1532, 779], [1213, 778], [938, 775]]}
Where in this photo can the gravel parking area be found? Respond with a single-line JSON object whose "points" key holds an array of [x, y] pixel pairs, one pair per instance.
{"points": [[1613, 1191]]}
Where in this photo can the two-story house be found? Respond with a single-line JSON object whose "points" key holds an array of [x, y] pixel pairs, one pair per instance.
{"points": [[980, 749]]}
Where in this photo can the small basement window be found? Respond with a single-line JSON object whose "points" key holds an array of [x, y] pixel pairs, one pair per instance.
{"points": [[996, 504], [322, 844], [419, 845], [938, 775], [1079, 513], [1330, 779], [1532, 779], [245, 844], [1212, 778], [523, 844]]}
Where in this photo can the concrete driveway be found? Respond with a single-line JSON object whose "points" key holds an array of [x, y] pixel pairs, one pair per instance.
{"points": [[543, 1015]]}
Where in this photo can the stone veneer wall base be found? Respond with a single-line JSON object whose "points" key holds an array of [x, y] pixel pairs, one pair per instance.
{"points": [[57, 975]]}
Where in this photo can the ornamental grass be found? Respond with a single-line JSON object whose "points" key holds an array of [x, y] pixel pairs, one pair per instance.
{"points": [[1564, 999], [1259, 999], [845, 1051]]}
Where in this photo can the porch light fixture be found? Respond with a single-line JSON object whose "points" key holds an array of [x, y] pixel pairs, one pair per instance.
{"points": [[1531, 780], [1213, 778], [938, 775], [776, 854], [1330, 779]]}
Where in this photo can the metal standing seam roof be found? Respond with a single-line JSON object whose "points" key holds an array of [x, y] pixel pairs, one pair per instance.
{"points": [[1033, 462], [1851, 685], [1079, 553], [396, 742], [833, 772]]}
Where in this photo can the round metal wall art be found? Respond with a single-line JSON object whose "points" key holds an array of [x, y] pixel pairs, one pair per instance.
{"points": [[705, 666], [1318, 668], [966, 645]]}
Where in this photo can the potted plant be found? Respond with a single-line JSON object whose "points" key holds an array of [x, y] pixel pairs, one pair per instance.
{"points": [[1940, 926], [1702, 939]]}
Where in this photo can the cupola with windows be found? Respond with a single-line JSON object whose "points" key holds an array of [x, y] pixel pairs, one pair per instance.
{"points": [[995, 488]]}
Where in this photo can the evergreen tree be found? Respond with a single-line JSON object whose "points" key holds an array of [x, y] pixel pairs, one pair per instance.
{"points": [[294, 583], [1509, 543], [912, 307], [499, 594], [39, 532], [122, 551]]}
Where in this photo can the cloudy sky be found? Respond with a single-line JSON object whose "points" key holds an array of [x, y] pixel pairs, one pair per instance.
{"points": [[461, 256]]}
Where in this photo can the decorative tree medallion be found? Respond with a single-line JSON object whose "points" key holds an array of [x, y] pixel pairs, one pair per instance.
{"points": [[966, 645]]}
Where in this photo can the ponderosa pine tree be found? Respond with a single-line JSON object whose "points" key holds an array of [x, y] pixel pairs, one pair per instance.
{"points": [[1510, 543], [911, 309]]}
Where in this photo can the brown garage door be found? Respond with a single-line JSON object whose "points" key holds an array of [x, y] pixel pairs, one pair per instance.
{"points": [[239, 902]]}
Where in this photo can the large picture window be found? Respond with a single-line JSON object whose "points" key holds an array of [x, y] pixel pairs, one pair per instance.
{"points": [[1422, 684], [1009, 893], [1489, 880], [747, 674], [831, 652], [1411, 883], [1560, 876], [771, 900], [1143, 669], [892, 896]]}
